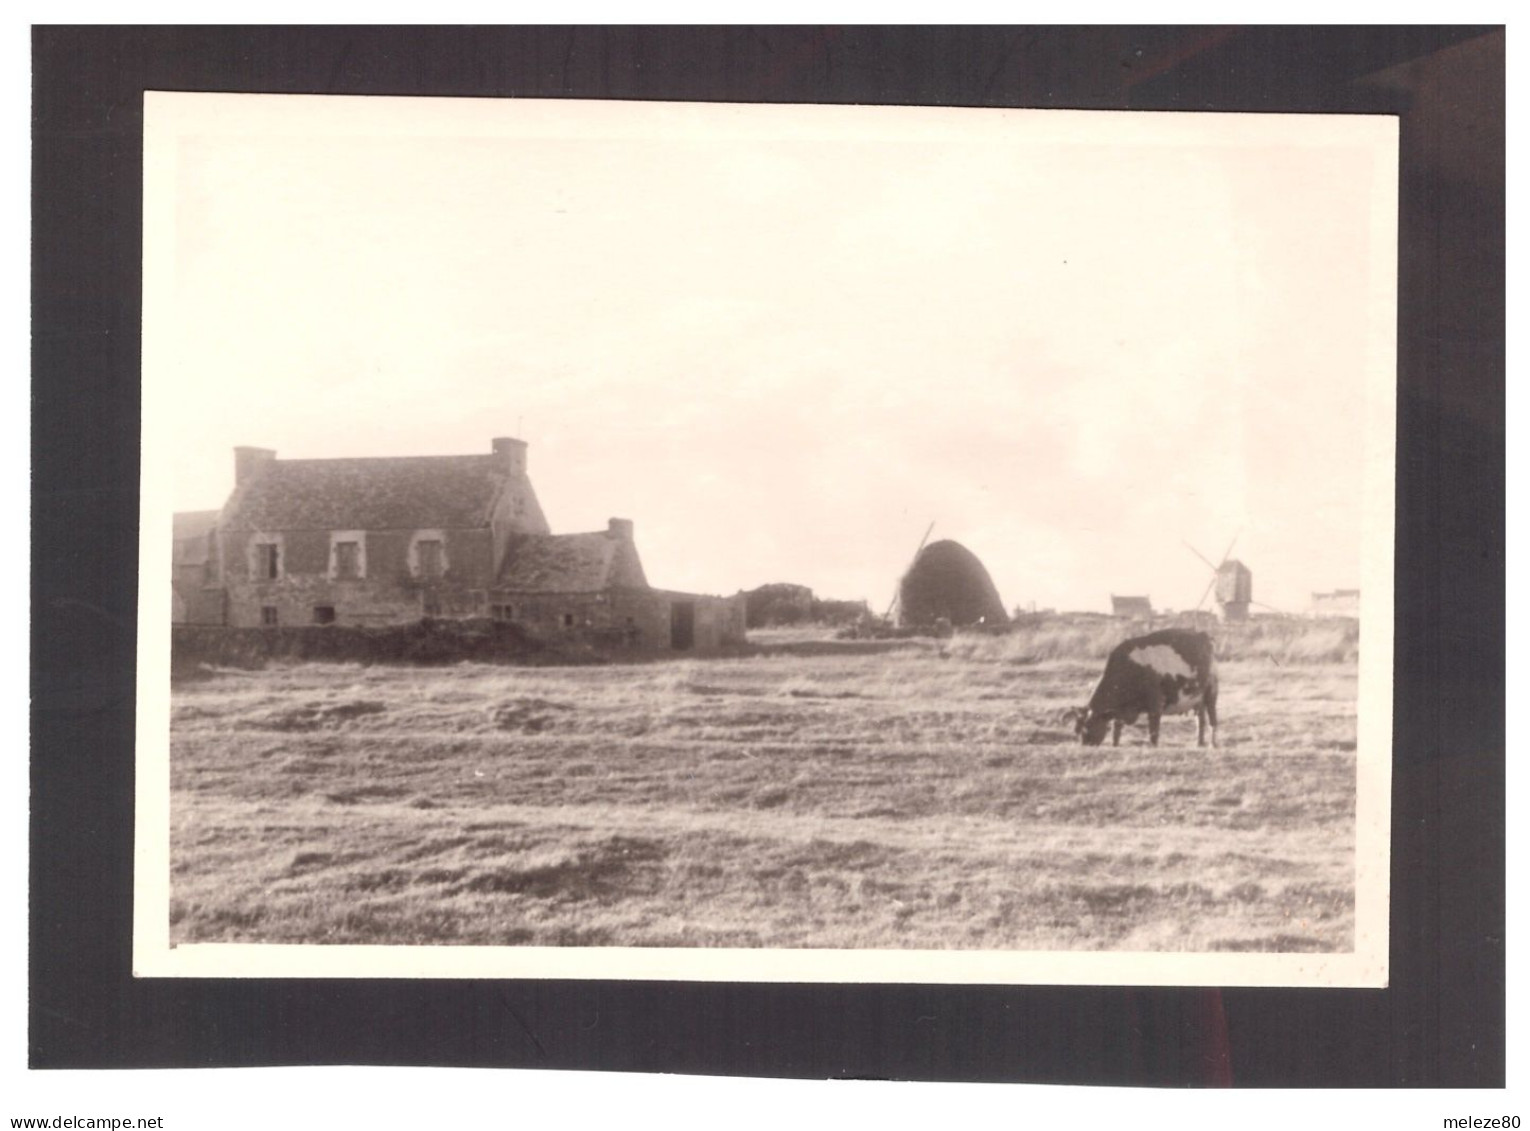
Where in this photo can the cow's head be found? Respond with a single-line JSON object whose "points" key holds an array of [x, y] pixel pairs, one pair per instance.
{"points": [[1091, 726]]}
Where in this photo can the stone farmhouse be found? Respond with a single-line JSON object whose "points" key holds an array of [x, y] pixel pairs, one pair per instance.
{"points": [[383, 541]]}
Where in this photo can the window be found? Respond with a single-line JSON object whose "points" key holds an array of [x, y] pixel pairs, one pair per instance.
{"points": [[504, 612], [429, 551], [432, 606], [347, 555], [568, 620], [268, 564], [268, 614], [347, 560], [324, 614]]}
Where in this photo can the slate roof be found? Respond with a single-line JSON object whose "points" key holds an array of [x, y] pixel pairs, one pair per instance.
{"points": [[570, 563], [392, 493]]}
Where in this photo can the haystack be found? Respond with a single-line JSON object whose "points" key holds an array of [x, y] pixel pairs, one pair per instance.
{"points": [[948, 582]]}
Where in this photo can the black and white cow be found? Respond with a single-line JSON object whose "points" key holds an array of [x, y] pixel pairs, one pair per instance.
{"points": [[1163, 673]]}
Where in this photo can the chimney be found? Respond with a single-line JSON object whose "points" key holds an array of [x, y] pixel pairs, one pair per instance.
{"points": [[620, 528], [512, 455], [247, 461]]}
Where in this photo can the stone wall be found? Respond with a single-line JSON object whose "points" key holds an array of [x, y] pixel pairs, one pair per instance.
{"points": [[195, 601], [638, 619], [422, 642], [310, 590], [391, 590]]}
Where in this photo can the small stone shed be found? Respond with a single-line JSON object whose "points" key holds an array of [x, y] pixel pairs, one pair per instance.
{"points": [[594, 585]]}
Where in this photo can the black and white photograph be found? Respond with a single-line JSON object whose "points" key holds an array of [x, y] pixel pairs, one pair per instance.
{"points": [[760, 572], [803, 543]]}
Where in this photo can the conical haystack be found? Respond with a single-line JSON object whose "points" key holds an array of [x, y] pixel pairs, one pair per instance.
{"points": [[947, 581]]}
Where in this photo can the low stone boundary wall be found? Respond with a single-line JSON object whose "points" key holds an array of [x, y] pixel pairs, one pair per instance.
{"points": [[427, 642]]}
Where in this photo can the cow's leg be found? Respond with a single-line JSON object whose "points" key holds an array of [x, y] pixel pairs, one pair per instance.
{"points": [[1155, 705], [1211, 713], [1115, 732], [1200, 725]]}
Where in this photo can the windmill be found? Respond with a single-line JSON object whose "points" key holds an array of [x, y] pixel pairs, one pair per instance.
{"points": [[893, 604], [1231, 579]]}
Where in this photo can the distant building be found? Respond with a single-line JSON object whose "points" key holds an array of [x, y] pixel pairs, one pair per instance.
{"points": [[392, 540], [1234, 590], [1134, 607], [1337, 603]]}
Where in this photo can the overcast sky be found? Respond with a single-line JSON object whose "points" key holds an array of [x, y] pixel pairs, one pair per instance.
{"points": [[785, 340]]}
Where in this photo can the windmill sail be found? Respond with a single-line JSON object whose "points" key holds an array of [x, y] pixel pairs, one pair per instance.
{"points": [[1231, 581], [893, 604]]}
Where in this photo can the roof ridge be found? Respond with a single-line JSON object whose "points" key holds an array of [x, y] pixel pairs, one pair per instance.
{"points": [[485, 456]]}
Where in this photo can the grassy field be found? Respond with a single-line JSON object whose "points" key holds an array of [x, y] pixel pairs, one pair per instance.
{"points": [[913, 794]]}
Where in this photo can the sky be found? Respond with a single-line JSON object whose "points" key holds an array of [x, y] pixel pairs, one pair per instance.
{"points": [[784, 341]]}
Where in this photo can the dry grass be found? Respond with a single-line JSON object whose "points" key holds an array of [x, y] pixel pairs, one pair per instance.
{"points": [[901, 799], [1281, 640]]}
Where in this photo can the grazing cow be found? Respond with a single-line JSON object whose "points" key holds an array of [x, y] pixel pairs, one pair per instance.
{"points": [[1163, 673]]}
